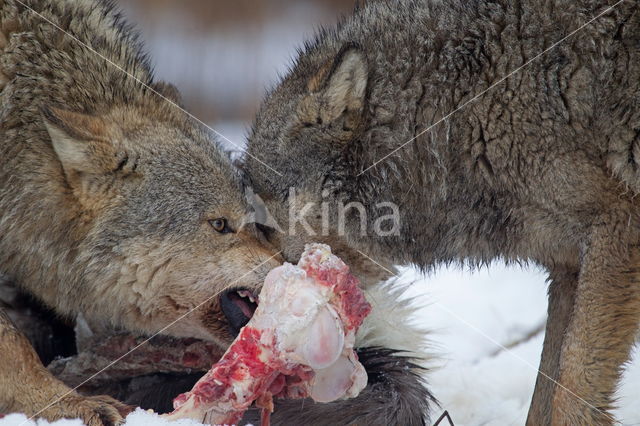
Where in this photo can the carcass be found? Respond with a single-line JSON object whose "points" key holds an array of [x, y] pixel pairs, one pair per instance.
{"points": [[299, 343]]}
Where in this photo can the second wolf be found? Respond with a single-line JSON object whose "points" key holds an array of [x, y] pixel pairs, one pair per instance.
{"points": [[500, 129]]}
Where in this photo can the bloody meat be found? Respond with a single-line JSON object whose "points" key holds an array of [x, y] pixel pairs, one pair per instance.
{"points": [[299, 343]]}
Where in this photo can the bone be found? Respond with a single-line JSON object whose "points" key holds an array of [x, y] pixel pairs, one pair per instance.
{"points": [[304, 328]]}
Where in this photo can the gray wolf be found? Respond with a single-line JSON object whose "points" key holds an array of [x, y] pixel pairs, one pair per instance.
{"points": [[113, 202], [541, 168]]}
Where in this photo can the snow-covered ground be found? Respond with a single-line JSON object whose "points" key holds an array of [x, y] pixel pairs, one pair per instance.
{"points": [[137, 418], [471, 314]]}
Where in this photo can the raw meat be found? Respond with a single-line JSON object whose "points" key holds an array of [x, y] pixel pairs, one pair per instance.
{"points": [[161, 354], [299, 343]]}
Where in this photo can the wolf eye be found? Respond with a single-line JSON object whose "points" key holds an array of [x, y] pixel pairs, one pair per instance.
{"points": [[220, 225]]}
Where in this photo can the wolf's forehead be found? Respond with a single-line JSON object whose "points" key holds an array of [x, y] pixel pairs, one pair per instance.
{"points": [[191, 163]]}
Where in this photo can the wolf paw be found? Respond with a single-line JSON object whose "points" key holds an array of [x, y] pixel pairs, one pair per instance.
{"points": [[98, 410]]}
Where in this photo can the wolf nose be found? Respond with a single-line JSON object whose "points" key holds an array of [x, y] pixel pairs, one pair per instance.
{"points": [[238, 306]]}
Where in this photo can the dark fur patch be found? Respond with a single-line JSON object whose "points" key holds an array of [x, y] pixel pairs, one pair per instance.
{"points": [[50, 335]]}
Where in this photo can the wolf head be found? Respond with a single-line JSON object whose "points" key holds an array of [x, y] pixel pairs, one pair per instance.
{"points": [[162, 235], [306, 123], [307, 129]]}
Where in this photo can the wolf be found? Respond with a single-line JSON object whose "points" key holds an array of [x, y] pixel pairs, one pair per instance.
{"points": [[113, 202], [500, 130], [118, 206]]}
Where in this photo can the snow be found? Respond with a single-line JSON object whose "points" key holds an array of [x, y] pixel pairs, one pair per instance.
{"points": [[137, 418], [474, 313], [21, 420], [471, 314]]}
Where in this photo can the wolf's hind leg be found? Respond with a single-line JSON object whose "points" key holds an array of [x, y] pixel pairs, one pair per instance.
{"points": [[602, 327], [562, 289], [27, 387]]}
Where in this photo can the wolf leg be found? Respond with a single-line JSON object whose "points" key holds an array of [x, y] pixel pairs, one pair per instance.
{"points": [[602, 327], [27, 387], [562, 290]]}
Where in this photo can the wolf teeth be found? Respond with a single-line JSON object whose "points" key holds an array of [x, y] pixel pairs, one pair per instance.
{"points": [[247, 294]]}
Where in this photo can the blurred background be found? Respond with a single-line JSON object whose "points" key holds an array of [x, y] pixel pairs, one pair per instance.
{"points": [[222, 55]]}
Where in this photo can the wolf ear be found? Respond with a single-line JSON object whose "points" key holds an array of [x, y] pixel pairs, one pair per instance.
{"points": [[80, 141], [339, 88]]}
